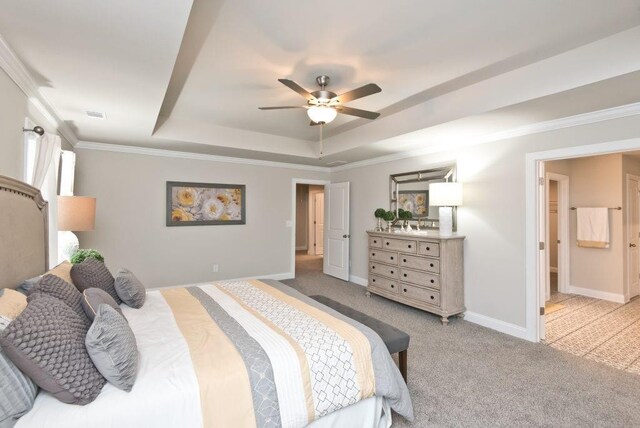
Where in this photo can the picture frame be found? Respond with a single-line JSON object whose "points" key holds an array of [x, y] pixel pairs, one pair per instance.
{"points": [[414, 201], [205, 204]]}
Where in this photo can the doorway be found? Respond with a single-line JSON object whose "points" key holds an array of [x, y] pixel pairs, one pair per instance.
{"points": [[308, 226]]}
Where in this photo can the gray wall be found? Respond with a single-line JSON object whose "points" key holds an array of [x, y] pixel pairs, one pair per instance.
{"points": [[493, 215], [130, 220]]}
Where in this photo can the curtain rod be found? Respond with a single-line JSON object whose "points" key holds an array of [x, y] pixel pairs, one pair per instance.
{"points": [[37, 129], [611, 208]]}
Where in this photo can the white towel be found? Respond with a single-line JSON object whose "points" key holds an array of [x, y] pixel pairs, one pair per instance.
{"points": [[593, 227]]}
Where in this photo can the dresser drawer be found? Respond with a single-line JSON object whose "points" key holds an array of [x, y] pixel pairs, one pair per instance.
{"points": [[429, 249], [422, 263], [421, 294], [384, 270], [406, 246], [383, 283], [383, 256], [420, 278], [375, 241]]}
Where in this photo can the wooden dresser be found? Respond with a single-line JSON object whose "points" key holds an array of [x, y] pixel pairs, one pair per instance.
{"points": [[423, 271]]}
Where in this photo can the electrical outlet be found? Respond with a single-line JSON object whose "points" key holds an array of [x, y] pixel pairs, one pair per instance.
{"points": [[215, 268]]}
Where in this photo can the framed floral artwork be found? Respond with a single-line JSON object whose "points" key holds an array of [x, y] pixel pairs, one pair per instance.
{"points": [[414, 201], [200, 204]]}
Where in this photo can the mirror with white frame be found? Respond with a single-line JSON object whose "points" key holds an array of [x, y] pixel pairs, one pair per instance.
{"points": [[410, 191]]}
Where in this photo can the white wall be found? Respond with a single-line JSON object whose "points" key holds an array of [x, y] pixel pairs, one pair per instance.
{"points": [[302, 216], [493, 215], [130, 219]]}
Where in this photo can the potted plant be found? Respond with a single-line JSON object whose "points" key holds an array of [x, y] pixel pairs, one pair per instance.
{"points": [[389, 217], [80, 255], [379, 214], [405, 216]]}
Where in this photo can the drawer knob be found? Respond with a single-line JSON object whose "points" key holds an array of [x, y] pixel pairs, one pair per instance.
{"points": [[373, 267], [409, 245], [432, 281], [428, 248], [431, 264], [391, 272], [373, 254], [391, 257], [375, 242], [405, 290], [404, 260], [387, 243], [433, 297], [405, 275], [373, 280], [393, 286]]}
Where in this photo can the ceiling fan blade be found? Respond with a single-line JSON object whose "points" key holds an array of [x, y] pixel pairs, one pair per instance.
{"points": [[357, 112], [299, 89], [360, 92], [280, 108]]}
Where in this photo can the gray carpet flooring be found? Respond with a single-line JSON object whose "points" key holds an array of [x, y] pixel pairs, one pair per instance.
{"points": [[471, 376]]}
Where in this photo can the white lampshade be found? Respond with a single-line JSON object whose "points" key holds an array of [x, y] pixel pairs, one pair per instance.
{"points": [[447, 194], [321, 114], [76, 213]]}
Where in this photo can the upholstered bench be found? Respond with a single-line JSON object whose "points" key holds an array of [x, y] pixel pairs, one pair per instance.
{"points": [[397, 341]]}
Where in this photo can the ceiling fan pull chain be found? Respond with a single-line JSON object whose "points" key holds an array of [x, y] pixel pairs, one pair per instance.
{"points": [[321, 143]]}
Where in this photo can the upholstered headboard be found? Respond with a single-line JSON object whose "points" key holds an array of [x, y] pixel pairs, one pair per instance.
{"points": [[24, 233]]}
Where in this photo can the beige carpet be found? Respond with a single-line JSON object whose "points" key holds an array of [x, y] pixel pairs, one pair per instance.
{"points": [[465, 375], [595, 329]]}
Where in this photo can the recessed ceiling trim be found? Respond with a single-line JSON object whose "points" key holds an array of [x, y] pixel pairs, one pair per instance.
{"points": [[88, 145], [17, 72]]}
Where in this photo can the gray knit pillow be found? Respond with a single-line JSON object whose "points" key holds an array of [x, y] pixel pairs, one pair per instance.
{"points": [[112, 347], [92, 298], [46, 342], [130, 289], [17, 391], [57, 287], [93, 273]]}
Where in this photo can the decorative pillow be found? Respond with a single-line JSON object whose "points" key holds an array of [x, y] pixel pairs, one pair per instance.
{"points": [[11, 303], [93, 273], [112, 347], [57, 287], [17, 391], [63, 270], [46, 342], [28, 284], [92, 298], [130, 289]]}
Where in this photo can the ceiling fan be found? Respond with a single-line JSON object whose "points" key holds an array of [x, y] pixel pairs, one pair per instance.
{"points": [[323, 106]]}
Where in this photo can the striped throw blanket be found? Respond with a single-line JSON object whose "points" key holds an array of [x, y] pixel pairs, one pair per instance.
{"points": [[266, 356]]}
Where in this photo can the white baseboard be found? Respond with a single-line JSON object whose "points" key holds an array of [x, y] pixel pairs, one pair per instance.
{"points": [[494, 324], [553, 269], [358, 280], [596, 294]]}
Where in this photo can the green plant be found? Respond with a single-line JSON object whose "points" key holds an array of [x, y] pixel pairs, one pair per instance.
{"points": [[389, 216], [404, 215], [379, 213], [82, 254]]}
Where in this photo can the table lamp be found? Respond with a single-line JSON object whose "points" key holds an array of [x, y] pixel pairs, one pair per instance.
{"points": [[75, 214], [446, 196]]}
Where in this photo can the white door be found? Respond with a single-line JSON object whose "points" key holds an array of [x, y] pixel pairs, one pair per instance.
{"points": [[633, 229], [336, 241], [542, 253], [318, 223]]}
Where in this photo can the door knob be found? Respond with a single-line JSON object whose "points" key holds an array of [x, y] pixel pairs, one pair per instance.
{"points": [[346, 236], [632, 245]]}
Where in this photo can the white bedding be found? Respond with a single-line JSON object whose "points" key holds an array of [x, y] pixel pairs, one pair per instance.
{"points": [[166, 392]]}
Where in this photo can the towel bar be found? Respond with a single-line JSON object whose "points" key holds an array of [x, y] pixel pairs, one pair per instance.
{"points": [[611, 208]]}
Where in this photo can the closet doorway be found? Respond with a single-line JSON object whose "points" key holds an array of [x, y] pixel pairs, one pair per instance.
{"points": [[309, 227]]}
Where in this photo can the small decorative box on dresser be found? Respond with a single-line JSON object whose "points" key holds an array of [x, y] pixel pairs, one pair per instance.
{"points": [[423, 271]]}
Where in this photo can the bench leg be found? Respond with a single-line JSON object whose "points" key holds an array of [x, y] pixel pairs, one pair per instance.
{"points": [[402, 358]]}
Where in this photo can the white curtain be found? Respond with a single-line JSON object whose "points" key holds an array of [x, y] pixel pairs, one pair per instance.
{"points": [[47, 156]]}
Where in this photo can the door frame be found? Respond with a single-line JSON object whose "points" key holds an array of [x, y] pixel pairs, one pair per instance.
{"points": [[627, 283], [294, 182], [564, 251], [533, 271]]}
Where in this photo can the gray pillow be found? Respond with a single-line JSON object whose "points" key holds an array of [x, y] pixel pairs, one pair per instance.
{"points": [[130, 289], [46, 342], [28, 284], [112, 347], [92, 298], [93, 273], [17, 391], [57, 287]]}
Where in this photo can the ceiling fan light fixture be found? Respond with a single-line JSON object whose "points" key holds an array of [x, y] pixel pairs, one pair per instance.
{"points": [[321, 114]]}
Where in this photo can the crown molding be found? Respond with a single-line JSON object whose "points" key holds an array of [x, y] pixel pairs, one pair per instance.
{"points": [[536, 128], [17, 71], [88, 145]]}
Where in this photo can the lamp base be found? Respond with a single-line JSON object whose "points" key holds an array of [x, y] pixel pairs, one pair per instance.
{"points": [[67, 245], [446, 221]]}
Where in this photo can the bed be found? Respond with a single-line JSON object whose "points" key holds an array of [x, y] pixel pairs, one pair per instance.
{"points": [[231, 353]]}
